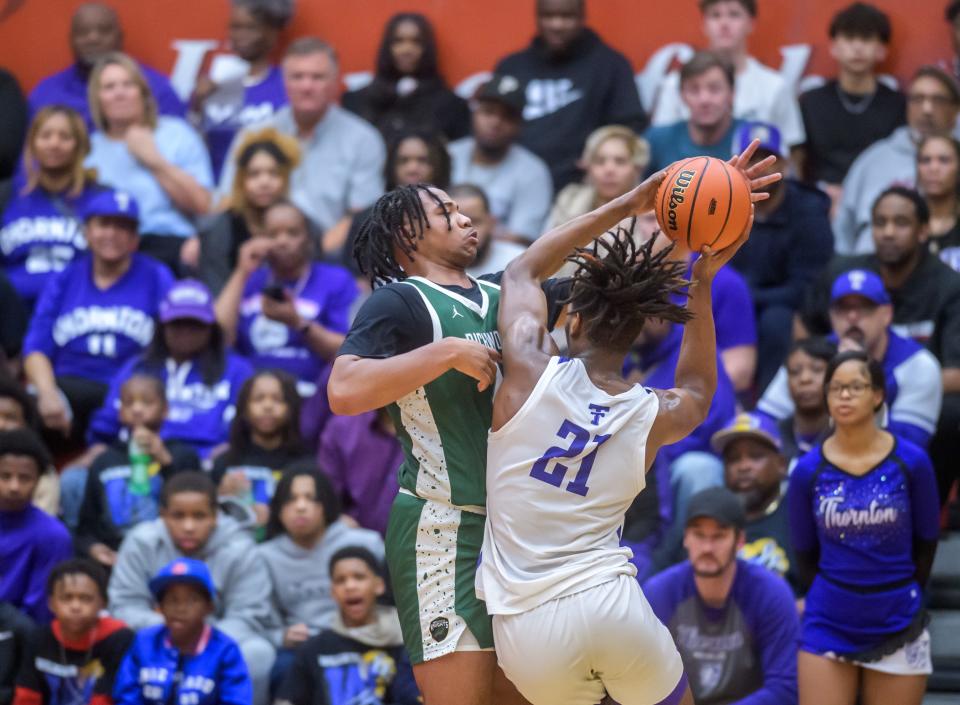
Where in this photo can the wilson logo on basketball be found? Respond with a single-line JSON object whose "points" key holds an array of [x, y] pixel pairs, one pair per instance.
{"points": [[680, 185]]}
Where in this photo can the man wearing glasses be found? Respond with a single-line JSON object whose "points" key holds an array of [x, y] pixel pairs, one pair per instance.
{"points": [[933, 103]]}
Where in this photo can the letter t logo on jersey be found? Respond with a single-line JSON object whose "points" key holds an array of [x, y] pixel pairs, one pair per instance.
{"points": [[598, 412]]}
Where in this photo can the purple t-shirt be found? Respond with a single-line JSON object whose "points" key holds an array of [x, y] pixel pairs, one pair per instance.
{"points": [[69, 87], [198, 414], [31, 544], [40, 235], [88, 332], [733, 314], [362, 463], [227, 111], [659, 364], [323, 296]]}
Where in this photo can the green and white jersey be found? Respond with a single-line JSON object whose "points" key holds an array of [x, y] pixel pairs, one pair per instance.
{"points": [[443, 425]]}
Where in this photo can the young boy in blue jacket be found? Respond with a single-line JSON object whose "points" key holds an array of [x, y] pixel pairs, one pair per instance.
{"points": [[184, 661]]}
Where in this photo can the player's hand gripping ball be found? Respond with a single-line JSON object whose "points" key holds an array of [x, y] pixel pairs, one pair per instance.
{"points": [[703, 201]]}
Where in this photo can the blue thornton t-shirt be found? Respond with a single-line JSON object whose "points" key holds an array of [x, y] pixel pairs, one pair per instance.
{"points": [[864, 528], [88, 332], [40, 235]]}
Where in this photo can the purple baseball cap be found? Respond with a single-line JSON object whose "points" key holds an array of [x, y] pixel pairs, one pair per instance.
{"points": [[747, 425], [188, 299], [769, 136], [116, 204], [860, 282]]}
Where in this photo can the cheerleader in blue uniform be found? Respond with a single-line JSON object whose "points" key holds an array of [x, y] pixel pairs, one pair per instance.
{"points": [[864, 520]]}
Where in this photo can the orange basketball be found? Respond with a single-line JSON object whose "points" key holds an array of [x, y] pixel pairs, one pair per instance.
{"points": [[703, 201]]}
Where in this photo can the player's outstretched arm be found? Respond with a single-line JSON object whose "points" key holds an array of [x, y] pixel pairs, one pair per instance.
{"points": [[359, 384], [685, 407], [547, 253]]}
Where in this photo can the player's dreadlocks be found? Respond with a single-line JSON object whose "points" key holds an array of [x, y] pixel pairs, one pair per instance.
{"points": [[616, 291], [397, 219]]}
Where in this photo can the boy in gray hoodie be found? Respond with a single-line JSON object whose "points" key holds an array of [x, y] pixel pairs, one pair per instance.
{"points": [[190, 527]]}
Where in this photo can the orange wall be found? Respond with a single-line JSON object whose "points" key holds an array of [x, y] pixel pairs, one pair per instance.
{"points": [[472, 33]]}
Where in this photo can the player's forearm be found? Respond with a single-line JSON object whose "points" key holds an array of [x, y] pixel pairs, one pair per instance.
{"points": [[547, 253], [361, 384], [697, 363]]}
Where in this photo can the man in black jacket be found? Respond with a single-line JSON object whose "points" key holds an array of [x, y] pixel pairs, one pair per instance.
{"points": [[575, 84]]}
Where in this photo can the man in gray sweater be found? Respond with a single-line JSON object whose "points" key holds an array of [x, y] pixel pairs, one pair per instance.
{"points": [[189, 526]]}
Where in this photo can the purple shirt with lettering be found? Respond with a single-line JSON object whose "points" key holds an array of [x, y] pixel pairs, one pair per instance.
{"points": [[40, 235], [90, 332], [226, 112], [323, 296], [864, 528]]}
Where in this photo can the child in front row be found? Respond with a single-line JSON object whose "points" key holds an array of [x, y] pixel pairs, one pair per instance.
{"points": [[73, 661], [183, 661], [360, 659], [124, 482]]}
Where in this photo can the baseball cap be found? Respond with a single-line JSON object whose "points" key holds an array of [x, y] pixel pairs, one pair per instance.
{"points": [[183, 570], [504, 89], [860, 282], [118, 204], [188, 299], [769, 136], [719, 504], [747, 425]]}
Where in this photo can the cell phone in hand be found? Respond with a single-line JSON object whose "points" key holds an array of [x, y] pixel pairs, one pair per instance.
{"points": [[275, 292]]}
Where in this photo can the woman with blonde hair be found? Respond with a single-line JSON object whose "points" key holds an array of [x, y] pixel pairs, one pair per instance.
{"points": [[42, 226], [614, 158], [160, 160], [265, 159]]}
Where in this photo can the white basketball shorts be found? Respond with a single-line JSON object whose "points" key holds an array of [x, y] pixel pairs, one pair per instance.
{"points": [[576, 649]]}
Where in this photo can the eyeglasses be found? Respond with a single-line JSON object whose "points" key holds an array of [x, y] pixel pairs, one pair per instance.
{"points": [[854, 389], [939, 101]]}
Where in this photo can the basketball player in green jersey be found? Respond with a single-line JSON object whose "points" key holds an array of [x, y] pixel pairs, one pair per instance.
{"points": [[425, 345]]}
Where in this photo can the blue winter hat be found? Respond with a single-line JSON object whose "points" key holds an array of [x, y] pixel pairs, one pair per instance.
{"points": [[183, 570]]}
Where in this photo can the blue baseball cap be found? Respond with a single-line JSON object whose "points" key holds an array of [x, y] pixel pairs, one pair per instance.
{"points": [[117, 204], [747, 425], [183, 570], [188, 299], [860, 282], [769, 136]]}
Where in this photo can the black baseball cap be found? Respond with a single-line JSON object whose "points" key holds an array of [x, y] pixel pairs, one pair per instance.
{"points": [[506, 90], [719, 504]]}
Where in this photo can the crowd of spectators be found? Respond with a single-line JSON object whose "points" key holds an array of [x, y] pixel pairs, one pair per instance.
{"points": [[184, 520]]}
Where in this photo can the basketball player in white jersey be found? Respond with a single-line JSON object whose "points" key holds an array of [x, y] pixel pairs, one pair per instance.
{"points": [[568, 450]]}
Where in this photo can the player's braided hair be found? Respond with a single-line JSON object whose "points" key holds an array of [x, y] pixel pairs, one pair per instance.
{"points": [[618, 285], [397, 219]]}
